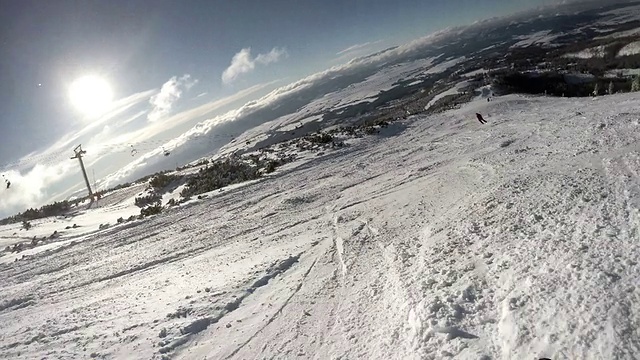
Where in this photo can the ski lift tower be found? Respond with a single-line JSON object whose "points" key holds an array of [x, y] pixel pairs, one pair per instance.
{"points": [[79, 152]]}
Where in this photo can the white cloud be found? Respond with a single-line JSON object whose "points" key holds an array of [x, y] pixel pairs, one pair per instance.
{"points": [[32, 188], [63, 146], [194, 113], [243, 63], [170, 92], [272, 56], [358, 47]]}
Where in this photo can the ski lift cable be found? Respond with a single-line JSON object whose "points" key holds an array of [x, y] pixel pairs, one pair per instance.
{"points": [[36, 157], [201, 137], [57, 153]]}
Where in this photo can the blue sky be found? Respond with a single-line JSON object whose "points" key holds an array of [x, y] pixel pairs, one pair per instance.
{"points": [[171, 64]]}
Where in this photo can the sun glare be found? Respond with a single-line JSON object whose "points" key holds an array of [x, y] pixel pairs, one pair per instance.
{"points": [[91, 95]]}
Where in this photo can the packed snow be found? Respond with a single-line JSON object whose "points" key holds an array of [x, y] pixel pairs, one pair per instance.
{"points": [[512, 240]]}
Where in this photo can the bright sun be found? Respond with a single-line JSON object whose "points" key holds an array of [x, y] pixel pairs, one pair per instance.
{"points": [[91, 95]]}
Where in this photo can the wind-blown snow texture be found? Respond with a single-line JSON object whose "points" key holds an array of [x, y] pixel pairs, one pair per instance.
{"points": [[513, 240]]}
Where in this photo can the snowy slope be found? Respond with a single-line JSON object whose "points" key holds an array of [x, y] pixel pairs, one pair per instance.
{"points": [[630, 49], [453, 91], [87, 221], [621, 34], [596, 52], [513, 240], [544, 38]]}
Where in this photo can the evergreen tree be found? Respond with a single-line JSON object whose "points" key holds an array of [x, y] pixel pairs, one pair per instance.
{"points": [[26, 225]]}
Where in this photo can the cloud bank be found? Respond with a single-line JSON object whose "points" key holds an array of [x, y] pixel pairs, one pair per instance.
{"points": [[30, 189], [170, 92], [243, 62], [49, 175]]}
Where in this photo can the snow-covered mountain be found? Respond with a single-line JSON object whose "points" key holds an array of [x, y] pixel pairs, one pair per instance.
{"points": [[541, 39], [515, 239]]}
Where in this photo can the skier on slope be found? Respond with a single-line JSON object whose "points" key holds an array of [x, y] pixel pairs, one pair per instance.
{"points": [[481, 119]]}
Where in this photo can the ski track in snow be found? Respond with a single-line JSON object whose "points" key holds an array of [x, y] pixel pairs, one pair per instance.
{"points": [[513, 240]]}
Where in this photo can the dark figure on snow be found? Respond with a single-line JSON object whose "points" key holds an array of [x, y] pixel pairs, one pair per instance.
{"points": [[8, 183], [482, 120]]}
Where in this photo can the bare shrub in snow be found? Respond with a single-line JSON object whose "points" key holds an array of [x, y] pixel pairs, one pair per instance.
{"points": [[151, 210], [635, 85], [321, 138], [143, 201], [160, 181], [26, 225]]}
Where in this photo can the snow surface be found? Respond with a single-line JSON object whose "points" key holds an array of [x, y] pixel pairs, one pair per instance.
{"points": [[512, 240], [445, 65], [630, 49], [369, 89], [475, 72], [118, 204], [621, 34], [597, 52], [452, 91], [538, 38]]}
